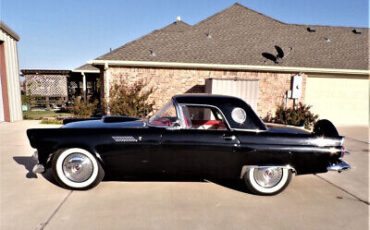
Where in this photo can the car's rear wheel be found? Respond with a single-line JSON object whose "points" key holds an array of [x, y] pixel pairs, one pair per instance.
{"points": [[267, 180], [77, 168]]}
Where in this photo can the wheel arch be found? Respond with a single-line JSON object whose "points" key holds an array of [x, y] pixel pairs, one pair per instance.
{"points": [[50, 155]]}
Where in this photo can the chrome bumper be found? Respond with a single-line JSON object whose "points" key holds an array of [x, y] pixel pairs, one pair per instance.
{"points": [[35, 156], [339, 166], [38, 168]]}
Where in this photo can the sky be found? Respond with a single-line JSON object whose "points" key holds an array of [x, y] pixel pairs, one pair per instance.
{"points": [[64, 34]]}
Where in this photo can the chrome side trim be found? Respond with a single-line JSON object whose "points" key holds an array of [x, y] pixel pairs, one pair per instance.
{"points": [[251, 130], [339, 166], [38, 168], [246, 167]]}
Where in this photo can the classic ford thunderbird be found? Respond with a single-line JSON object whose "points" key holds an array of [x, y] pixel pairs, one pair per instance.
{"points": [[207, 136]]}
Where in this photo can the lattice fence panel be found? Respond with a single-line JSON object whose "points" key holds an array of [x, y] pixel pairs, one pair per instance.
{"points": [[47, 85]]}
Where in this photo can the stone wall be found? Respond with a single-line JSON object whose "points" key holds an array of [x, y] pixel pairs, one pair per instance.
{"points": [[169, 82]]}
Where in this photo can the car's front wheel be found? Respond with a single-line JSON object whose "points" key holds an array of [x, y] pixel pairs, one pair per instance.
{"points": [[77, 168], [267, 180]]}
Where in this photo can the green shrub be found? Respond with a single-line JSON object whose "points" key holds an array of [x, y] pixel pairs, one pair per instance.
{"points": [[51, 122], [130, 100], [300, 115], [82, 109]]}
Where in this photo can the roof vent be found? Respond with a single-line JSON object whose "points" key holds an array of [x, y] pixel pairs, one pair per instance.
{"points": [[208, 34], [356, 31], [311, 29], [152, 53]]}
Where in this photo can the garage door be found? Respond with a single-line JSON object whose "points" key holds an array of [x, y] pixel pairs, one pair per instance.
{"points": [[342, 100], [244, 89], [2, 118]]}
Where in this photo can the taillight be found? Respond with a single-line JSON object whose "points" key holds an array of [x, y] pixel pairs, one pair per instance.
{"points": [[342, 152]]}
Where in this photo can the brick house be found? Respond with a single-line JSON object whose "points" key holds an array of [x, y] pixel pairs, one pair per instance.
{"points": [[244, 53]]}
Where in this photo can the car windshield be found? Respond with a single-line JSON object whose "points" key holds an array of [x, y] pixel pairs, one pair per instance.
{"points": [[167, 116]]}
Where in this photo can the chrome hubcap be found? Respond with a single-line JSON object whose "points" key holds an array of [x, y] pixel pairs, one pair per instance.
{"points": [[77, 167], [268, 177]]}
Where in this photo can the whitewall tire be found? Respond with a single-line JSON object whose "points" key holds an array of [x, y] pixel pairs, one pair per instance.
{"points": [[77, 168], [267, 180]]}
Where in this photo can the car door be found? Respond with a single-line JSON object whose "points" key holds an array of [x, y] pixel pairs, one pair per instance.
{"points": [[203, 147], [197, 152]]}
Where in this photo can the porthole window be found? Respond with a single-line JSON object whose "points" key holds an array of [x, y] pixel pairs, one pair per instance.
{"points": [[238, 115]]}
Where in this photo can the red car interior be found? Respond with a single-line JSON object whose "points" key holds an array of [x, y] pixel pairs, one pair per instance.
{"points": [[213, 123]]}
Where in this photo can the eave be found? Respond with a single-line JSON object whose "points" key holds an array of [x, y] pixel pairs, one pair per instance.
{"points": [[257, 68]]}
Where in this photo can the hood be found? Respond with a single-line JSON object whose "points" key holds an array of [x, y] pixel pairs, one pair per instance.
{"points": [[102, 124], [278, 128]]}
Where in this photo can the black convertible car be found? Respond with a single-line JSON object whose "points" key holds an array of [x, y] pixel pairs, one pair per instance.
{"points": [[207, 136]]}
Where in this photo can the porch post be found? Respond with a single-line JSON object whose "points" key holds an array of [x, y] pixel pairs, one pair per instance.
{"points": [[84, 86]]}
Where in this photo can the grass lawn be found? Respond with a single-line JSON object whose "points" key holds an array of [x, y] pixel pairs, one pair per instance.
{"points": [[38, 115]]}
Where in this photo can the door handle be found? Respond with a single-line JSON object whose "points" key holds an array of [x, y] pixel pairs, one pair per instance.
{"points": [[229, 138]]}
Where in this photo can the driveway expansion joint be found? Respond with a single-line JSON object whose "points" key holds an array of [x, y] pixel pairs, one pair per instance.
{"points": [[344, 190], [56, 210]]}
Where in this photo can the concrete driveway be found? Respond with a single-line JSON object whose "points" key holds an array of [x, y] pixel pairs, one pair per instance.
{"points": [[326, 201]]}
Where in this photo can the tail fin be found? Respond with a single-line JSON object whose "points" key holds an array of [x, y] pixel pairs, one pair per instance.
{"points": [[325, 128]]}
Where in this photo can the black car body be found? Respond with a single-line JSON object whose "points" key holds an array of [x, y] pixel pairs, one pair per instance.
{"points": [[206, 136]]}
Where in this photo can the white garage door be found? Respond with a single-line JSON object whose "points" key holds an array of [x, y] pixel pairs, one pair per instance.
{"points": [[1, 103], [244, 89], [342, 100]]}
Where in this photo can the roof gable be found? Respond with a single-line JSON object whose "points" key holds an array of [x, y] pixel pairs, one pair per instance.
{"points": [[238, 35]]}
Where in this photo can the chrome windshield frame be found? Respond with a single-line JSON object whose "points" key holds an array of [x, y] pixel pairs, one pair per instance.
{"points": [[179, 116]]}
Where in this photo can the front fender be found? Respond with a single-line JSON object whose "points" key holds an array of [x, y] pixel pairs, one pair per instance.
{"points": [[49, 141]]}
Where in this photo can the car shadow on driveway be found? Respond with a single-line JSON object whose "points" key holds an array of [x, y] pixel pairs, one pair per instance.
{"points": [[28, 162], [237, 185]]}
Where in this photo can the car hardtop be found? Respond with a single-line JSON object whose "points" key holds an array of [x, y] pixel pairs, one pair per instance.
{"points": [[207, 99], [226, 104]]}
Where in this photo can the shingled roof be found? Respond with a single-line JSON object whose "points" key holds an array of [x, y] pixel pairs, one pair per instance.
{"points": [[238, 35], [86, 67]]}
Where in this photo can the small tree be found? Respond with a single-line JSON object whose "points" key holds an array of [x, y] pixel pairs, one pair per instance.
{"points": [[130, 100]]}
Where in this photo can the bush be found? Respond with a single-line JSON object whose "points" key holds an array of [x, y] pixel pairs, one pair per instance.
{"points": [[51, 122], [298, 116], [130, 100], [81, 109]]}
